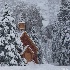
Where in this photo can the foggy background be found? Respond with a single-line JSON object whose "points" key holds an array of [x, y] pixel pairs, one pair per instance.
{"points": [[48, 8]]}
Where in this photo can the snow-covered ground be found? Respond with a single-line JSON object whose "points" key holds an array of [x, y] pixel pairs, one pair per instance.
{"points": [[32, 66]]}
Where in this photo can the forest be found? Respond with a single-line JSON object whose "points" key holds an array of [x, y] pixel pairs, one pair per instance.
{"points": [[52, 41]]}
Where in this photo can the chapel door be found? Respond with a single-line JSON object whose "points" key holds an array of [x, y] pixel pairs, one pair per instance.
{"points": [[28, 57]]}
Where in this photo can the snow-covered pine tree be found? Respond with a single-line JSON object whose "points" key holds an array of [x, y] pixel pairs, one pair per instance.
{"points": [[34, 35], [8, 43], [47, 43], [61, 35]]}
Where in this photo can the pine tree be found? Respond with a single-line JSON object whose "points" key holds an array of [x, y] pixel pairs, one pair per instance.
{"points": [[63, 15], [61, 35], [34, 35], [8, 43]]}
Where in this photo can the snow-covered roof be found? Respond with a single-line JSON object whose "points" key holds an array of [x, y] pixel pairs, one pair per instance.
{"points": [[21, 22], [31, 50], [25, 49]]}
